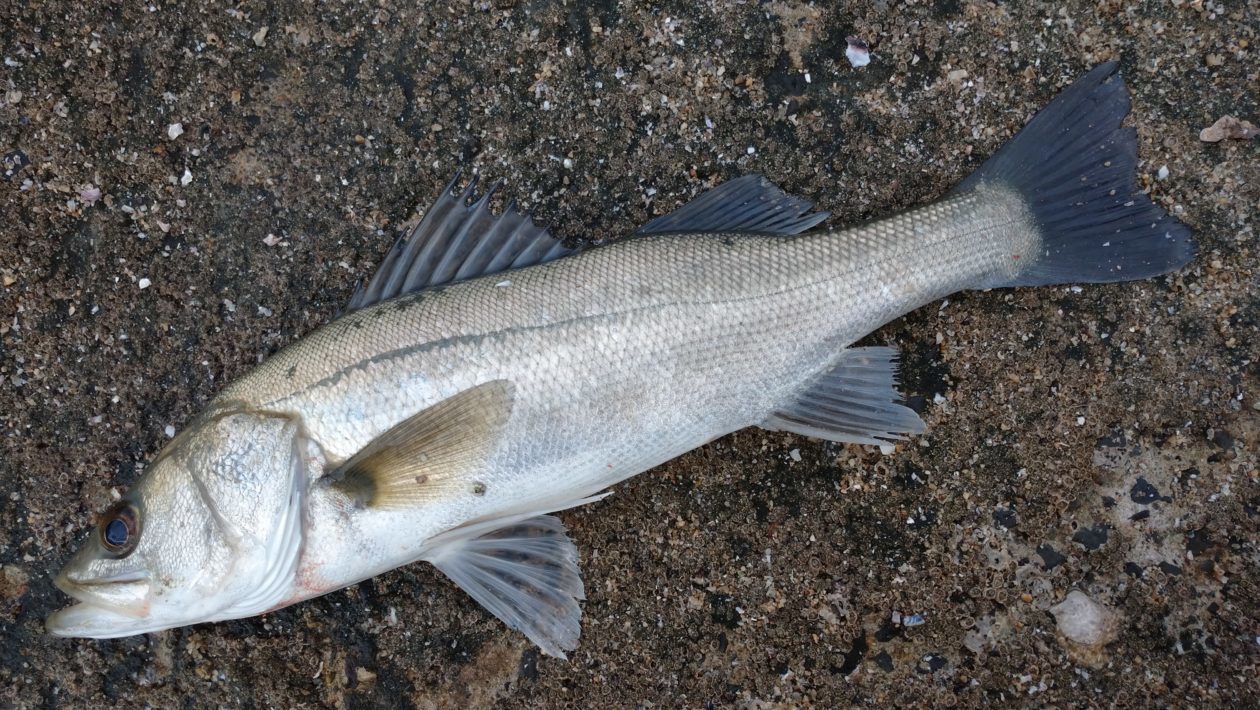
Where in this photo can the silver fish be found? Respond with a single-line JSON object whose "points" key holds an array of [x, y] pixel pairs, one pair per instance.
{"points": [[488, 376]]}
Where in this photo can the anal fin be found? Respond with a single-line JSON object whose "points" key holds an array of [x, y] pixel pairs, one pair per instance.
{"points": [[522, 570], [855, 401]]}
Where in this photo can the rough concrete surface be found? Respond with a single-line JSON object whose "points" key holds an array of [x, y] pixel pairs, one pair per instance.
{"points": [[1101, 439]]}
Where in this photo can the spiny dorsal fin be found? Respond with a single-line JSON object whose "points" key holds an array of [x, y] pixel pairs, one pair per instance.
{"points": [[436, 453], [456, 241], [853, 402], [746, 204]]}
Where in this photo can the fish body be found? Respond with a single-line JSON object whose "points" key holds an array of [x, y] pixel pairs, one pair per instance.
{"points": [[485, 379], [621, 358]]}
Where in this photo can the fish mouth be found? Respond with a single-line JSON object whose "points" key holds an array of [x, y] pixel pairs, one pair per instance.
{"points": [[117, 605]]}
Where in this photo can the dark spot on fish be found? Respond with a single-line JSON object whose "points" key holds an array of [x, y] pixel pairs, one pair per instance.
{"points": [[291, 372], [479, 488], [422, 479]]}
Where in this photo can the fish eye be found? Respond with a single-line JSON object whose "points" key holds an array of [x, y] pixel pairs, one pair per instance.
{"points": [[120, 528]]}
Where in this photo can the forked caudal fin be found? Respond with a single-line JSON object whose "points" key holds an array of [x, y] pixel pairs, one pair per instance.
{"points": [[1073, 165]]}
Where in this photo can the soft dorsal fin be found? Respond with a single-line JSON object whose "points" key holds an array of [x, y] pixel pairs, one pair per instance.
{"points": [[854, 402], [435, 453], [747, 204], [457, 240]]}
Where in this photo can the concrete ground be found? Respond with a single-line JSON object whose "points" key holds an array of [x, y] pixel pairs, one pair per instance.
{"points": [[1101, 439]]}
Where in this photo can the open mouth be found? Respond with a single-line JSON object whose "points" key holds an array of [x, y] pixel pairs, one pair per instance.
{"points": [[109, 606]]}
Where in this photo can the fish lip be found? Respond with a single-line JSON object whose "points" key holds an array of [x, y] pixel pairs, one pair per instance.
{"points": [[96, 593], [85, 620]]}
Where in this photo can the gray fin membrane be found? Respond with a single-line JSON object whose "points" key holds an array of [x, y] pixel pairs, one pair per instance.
{"points": [[457, 240], [434, 454], [747, 204], [525, 572], [856, 402], [1075, 167]]}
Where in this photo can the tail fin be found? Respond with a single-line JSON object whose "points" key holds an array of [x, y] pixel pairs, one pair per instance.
{"points": [[1074, 167]]}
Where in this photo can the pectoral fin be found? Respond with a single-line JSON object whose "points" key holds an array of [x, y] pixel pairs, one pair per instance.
{"points": [[855, 402], [525, 572], [435, 453]]}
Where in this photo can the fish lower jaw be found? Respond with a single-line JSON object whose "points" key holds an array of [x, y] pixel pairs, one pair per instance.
{"points": [[85, 620]]}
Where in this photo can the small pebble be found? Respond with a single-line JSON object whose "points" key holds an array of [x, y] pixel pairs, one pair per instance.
{"points": [[1083, 620], [175, 130], [795, 454], [1163, 172], [144, 283], [857, 51], [1228, 127]]}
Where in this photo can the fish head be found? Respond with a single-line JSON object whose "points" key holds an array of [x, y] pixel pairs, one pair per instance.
{"points": [[211, 531]]}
